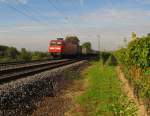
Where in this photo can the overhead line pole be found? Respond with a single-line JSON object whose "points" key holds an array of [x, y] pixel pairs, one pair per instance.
{"points": [[99, 37], [99, 49]]}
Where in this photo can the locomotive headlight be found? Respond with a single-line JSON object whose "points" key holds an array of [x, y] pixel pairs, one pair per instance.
{"points": [[58, 48], [51, 48]]}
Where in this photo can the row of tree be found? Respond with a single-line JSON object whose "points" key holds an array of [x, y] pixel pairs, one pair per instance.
{"points": [[135, 62], [12, 54], [137, 53]]}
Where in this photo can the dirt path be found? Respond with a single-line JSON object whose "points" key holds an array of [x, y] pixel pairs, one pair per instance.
{"points": [[63, 104], [129, 91]]}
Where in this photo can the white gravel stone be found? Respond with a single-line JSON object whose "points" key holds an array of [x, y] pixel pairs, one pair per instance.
{"points": [[20, 97]]}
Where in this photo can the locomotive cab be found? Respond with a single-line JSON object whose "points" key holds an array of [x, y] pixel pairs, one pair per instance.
{"points": [[63, 48], [56, 48]]}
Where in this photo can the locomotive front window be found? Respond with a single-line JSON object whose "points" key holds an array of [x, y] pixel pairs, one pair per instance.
{"points": [[53, 43], [59, 43], [56, 43]]}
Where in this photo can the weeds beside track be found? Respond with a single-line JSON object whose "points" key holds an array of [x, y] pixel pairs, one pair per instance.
{"points": [[103, 96]]}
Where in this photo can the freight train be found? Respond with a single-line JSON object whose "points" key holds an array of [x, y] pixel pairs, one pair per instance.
{"points": [[64, 48]]}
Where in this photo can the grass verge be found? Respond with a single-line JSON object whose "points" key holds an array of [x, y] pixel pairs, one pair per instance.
{"points": [[103, 96]]}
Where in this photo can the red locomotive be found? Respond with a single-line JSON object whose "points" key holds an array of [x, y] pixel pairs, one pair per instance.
{"points": [[63, 48]]}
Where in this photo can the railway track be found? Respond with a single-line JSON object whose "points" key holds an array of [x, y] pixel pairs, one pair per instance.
{"points": [[20, 62], [7, 75], [6, 65]]}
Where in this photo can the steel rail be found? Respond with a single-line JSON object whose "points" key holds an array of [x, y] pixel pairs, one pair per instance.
{"points": [[10, 65], [21, 72], [14, 69], [21, 62]]}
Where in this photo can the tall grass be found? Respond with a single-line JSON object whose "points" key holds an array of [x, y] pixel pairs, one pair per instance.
{"points": [[103, 93]]}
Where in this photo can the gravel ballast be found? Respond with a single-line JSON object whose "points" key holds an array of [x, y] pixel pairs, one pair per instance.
{"points": [[21, 97]]}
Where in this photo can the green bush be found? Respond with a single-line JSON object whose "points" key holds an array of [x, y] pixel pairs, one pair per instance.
{"points": [[137, 56], [111, 60], [105, 56], [137, 53], [8, 54], [124, 107], [39, 55]]}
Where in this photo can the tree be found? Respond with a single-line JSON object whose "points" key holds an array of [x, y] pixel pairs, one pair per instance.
{"points": [[73, 39], [25, 55], [148, 35], [11, 52], [88, 46], [39, 55], [3, 50]]}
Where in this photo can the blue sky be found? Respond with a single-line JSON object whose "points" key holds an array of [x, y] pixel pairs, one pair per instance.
{"points": [[32, 23]]}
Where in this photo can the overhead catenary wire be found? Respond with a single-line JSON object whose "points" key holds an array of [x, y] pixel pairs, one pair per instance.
{"points": [[27, 7], [62, 14], [30, 16], [23, 13]]}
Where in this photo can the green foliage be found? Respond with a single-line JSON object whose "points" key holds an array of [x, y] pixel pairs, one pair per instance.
{"points": [[88, 46], [39, 55], [8, 54], [25, 55], [136, 54], [124, 107], [103, 93], [105, 56], [3, 50], [6, 59], [111, 60], [119, 54], [148, 34], [141, 86], [12, 52]]}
